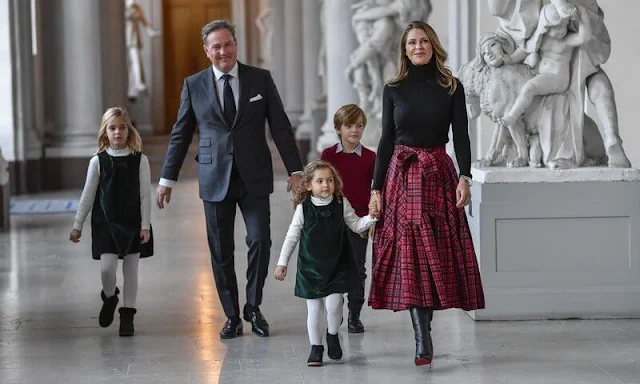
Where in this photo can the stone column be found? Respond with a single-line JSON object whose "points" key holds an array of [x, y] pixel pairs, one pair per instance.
{"points": [[86, 73], [293, 60], [27, 140], [313, 92], [277, 66], [340, 41], [463, 37]]}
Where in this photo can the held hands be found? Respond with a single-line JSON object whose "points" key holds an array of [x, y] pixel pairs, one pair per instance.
{"points": [[294, 181], [281, 272], [163, 194], [375, 205], [463, 194], [145, 235], [74, 236]]}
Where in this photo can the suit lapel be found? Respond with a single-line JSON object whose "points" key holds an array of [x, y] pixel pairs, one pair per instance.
{"points": [[243, 97], [209, 85]]}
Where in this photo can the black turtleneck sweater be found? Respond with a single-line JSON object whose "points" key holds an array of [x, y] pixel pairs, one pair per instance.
{"points": [[417, 113]]}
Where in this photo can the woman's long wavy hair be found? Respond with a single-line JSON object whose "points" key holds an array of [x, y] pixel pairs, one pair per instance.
{"points": [[133, 137], [300, 192], [445, 77]]}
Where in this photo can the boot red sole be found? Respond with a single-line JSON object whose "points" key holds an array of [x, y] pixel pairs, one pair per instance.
{"points": [[420, 361]]}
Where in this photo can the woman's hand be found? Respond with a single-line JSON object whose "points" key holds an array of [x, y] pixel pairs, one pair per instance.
{"points": [[375, 204], [463, 194], [281, 272]]}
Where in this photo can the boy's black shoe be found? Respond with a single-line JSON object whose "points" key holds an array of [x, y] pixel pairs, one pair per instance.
{"points": [[109, 305], [333, 347], [315, 357], [354, 323]]}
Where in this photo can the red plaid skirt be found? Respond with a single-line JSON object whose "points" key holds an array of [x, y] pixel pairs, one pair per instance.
{"points": [[422, 249]]}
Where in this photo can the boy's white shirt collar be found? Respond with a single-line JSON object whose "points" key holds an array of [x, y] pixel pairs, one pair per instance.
{"points": [[218, 73], [357, 150]]}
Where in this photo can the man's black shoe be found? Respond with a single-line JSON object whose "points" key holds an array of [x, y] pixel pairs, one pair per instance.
{"points": [[231, 329], [259, 324]]}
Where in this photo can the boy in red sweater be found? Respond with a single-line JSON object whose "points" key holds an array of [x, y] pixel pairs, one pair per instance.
{"points": [[355, 165]]}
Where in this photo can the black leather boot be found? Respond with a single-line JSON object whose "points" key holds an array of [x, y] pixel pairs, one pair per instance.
{"points": [[421, 319], [315, 357], [126, 321], [333, 347], [109, 305]]}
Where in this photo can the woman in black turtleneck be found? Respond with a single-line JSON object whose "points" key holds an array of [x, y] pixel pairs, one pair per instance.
{"points": [[423, 256]]}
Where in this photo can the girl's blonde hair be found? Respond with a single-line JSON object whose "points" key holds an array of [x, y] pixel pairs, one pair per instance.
{"points": [[445, 76], [300, 192], [133, 137]]}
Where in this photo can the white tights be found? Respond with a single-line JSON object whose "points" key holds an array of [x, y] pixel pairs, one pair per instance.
{"points": [[315, 313], [108, 268]]}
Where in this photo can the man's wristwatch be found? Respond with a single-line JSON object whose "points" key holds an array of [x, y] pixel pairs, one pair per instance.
{"points": [[467, 179]]}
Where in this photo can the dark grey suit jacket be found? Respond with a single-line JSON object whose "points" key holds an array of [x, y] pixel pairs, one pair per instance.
{"points": [[245, 139]]}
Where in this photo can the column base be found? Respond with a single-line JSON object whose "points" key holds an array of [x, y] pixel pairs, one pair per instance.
{"points": [[555, 249]]}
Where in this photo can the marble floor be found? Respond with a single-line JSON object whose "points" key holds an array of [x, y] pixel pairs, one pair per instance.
{"points": [[49, 333]]}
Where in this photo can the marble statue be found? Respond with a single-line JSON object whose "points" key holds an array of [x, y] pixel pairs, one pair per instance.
{"points": [[135, 21], [378, 25], [532, 76], [491, 88], [264, 22]]}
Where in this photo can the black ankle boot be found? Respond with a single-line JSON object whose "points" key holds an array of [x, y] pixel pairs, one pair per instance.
{"points": [[315, 357], [354, 323], [126, 321], [109, 305], [421, 319], [333, 347]]}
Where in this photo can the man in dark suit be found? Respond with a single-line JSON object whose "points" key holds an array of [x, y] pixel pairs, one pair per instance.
{"points": [[229, 103]]}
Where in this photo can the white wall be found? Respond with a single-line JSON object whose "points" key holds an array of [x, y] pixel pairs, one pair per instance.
{"points": [[6, 85], [624, 29], [621, 18], [439, 20]]}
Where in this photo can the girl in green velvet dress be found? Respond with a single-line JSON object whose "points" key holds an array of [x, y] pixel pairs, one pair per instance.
{"points": [[117, 193], [326, 263]]}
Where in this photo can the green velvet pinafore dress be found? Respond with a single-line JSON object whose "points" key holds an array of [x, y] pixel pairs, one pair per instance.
{"points": [[116, 218], [326, 262]]}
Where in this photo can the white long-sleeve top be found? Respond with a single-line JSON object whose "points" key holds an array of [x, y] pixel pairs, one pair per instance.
{"points": [[91, 187], [355, 223]]}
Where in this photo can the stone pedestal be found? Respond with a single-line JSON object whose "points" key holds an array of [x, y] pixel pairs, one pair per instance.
{"points": [[555, 244]]}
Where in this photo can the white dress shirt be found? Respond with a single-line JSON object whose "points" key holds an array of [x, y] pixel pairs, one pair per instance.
{"points": [[233, 81]]}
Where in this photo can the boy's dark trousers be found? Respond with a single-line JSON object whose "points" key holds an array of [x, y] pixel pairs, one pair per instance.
{"points": [[356, 296]]}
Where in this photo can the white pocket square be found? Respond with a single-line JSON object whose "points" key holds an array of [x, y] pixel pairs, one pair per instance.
{"points": [[255, 98]]}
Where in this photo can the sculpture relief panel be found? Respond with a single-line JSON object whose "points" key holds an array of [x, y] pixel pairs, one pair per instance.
{"points": [[532, 76]]}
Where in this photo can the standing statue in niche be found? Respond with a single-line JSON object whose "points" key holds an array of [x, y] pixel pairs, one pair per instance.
{"points": [[135, 21], [564, 42], [264, 22], [378, 25]]}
